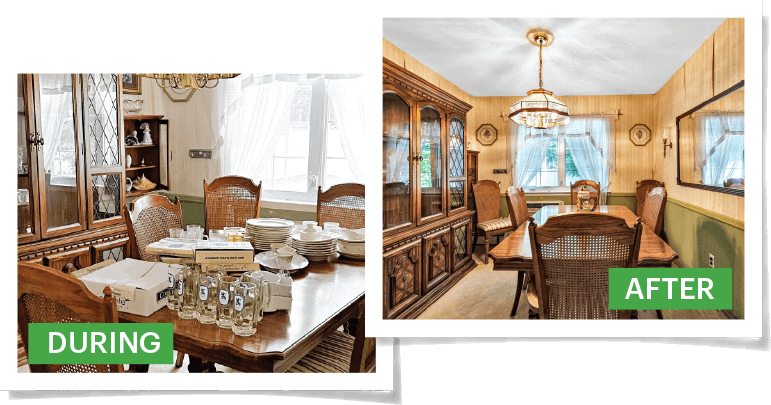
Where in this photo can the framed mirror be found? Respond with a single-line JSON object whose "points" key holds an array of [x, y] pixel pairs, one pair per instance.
{"points": [[710, 144]]}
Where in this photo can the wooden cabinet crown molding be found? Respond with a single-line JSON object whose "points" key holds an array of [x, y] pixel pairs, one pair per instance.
{"points": [[398, 75]]}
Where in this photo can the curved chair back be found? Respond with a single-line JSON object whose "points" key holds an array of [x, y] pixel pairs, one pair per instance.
{"points": [[341, 203], [152, 217], [643, 187], [230, 201], [592, 186], [487, 198], [571, 257], [515, 198], [653, 211], [49, 296]]}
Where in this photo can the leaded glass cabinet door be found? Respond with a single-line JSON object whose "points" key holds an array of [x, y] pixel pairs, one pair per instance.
{"points": [[431, 164], [27, 224], [59, 154], [397, 163], [105, 150], [457, 162]]}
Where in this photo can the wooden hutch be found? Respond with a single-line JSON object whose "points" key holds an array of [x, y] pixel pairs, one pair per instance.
{"points": [[71, 169], [426, 221]]}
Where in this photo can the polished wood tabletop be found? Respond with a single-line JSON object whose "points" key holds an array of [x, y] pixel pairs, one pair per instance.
{"points": [[324, 296], [513, 253]]}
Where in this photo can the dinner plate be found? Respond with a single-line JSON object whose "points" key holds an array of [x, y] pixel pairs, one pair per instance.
{"points": [[269, 223], [351, 255], [299, 262]]}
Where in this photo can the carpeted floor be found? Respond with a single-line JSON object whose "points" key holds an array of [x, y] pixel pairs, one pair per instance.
{"points": [[487, 294]]}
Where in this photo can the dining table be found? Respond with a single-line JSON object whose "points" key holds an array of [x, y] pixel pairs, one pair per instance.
{"points": [[325, 295], [514, 253]]}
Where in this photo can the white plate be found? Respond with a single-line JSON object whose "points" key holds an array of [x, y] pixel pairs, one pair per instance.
{"points": [[299, 262], [316, 237], [269, 223], [352, 256]]}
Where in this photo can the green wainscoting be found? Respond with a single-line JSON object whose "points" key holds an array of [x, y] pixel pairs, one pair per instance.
{"points": [[192, 210]]}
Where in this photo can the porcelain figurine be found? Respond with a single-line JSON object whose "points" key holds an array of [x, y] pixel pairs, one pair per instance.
{"points": [[128, 160], [146, 139]]}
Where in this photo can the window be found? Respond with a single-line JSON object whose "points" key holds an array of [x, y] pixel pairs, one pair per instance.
{"points": [[558, 168], [294, 133]]}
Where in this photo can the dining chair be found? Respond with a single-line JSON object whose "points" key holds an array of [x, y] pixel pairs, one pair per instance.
{"points": [[571, 256], [340, 353], [643, 187], [149, 221], [487, 198], [46, 295], [653, 211], [230, 201], [592, 186], [341, 203], [518, 213]]}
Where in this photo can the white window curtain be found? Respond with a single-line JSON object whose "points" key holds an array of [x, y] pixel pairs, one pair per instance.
{"points": [[251, 110], [346, 102], [589, 139], [56, 118], [721, 147]]}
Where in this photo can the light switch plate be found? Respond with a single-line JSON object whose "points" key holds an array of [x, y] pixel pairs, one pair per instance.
{"points": [[500, 171], [200, 153]]}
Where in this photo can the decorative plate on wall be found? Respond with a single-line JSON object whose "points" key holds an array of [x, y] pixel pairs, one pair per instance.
{"points": [[487, 134], [640, 135]]}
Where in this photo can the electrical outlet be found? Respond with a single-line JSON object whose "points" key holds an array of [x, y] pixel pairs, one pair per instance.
{"points": [[711, 260], [200, 153]]}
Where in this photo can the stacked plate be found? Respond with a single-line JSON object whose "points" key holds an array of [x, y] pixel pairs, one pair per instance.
{"points": [[316, 247], [351, 244], [265, 231]]}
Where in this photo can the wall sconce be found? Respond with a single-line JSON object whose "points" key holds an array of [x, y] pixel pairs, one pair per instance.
{"points": [[667, 142]]}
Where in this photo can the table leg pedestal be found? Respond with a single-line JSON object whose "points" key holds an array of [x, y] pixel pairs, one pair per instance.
{"points": [[518, 294]]}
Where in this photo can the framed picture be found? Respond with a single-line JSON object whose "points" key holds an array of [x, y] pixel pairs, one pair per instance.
{"points": [[640, 135], [487, 134], [132, 84]]}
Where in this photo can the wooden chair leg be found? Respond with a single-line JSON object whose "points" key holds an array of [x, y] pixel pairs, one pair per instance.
{"points": [[180, 359], [487, 246], [474, 245], [518, 294], [659, 314]]}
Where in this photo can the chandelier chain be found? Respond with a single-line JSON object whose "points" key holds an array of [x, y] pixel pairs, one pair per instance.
{"points": [[540, 63]]}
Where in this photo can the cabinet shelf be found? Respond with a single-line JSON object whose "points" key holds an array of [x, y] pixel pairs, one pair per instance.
{"points": [[128, 169], [141, 146]]}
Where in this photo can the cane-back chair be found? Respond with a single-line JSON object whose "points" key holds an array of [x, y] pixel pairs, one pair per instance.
{"points": [[591, 186], [653, 211], [230, 201], [149, 221], [643, 187], [571, 257], [46, 295], [341, 203], [487, 198]]}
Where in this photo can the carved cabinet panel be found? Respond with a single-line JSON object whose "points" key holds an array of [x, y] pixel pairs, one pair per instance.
{"points": [[402, 278], [69, 260], [461, 245], [437, 252]]}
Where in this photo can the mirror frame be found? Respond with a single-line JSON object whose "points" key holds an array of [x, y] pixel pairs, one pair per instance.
{"points": [[727, 190]]}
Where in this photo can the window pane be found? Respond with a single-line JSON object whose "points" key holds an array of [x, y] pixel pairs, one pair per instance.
{"points": [[571, 171], [548, 174], [336, 170], [289, 171]]}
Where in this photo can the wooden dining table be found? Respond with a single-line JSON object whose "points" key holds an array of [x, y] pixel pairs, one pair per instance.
{"points": [[325, 295], [514, 254]]}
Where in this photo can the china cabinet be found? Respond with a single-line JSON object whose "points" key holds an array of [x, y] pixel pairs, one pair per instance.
{"points": [[426, 220], [70, 168], [148, 160]]}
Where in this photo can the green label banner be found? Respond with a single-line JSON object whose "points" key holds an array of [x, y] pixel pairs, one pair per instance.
{"points": [[670, 288], [101, 343]]}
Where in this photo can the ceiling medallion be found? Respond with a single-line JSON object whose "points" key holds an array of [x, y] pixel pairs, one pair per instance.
{"points": [[540, 109]]}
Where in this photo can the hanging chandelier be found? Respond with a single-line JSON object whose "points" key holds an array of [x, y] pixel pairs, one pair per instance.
{"points": [[540, 109], [185, 81]]}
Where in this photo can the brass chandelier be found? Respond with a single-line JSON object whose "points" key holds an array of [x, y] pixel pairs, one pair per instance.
{"points": [[540, 109], [185, 81]]}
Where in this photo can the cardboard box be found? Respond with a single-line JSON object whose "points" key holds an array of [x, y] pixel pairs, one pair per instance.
{"points": [[139, 287], [172, 247], [224, 252]]}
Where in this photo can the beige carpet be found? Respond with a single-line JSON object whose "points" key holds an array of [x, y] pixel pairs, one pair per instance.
{"points": [[487, 294]]}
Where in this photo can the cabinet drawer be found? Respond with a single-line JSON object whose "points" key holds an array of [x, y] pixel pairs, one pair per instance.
{"points": [[69, 260], [401, 281], [437, 251]]}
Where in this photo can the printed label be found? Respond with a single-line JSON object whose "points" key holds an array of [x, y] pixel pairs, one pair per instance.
{"points": [[203, 293], [171, 280], [180, 287], [224, 297], [239, 303]]}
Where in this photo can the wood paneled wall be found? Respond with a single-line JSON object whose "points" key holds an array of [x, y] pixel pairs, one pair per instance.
{"points": [[717, 65]]}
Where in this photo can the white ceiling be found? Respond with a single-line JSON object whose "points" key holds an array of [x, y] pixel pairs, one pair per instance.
{"points": [[492, 57]]}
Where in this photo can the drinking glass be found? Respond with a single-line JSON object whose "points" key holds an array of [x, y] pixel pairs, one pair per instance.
{"points": [[245, 303], [172, 302], [175, 232], [226, 285], [187, 290], [193, 227], [207, 296], [217, 235], [234, 233]]}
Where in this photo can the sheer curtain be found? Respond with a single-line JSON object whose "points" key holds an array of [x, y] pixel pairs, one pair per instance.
{"points": [[56, 111], [722, 146], [529, 149], [251, 112], [346, 102]]}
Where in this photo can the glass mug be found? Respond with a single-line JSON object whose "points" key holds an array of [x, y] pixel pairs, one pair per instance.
{"points": [[207, 296], [258, 278], [175, 233], [226, 290], [234, 233], [245, 304], [187, 292], [172, 299]]}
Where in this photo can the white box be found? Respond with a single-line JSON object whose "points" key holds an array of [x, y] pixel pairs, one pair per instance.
{"points": [[139, 287], [172, 247], [224, 252]]}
